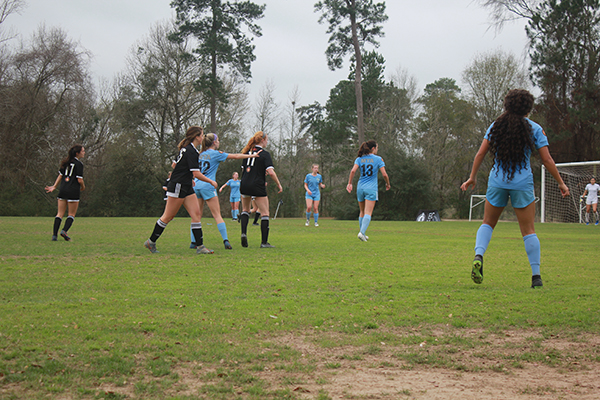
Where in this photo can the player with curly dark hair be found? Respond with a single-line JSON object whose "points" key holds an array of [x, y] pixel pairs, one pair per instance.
{"points": [[510, 140]]}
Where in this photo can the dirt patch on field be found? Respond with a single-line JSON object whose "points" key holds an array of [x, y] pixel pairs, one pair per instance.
{"points": [[514, 365]]}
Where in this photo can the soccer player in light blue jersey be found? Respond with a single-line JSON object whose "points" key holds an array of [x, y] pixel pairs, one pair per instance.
{"points": [[208, 160], [510, 140], [234, 195], [369, 164], [312, 184]]}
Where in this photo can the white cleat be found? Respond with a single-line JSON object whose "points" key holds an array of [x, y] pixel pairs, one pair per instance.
{"points": [[362, 237]]}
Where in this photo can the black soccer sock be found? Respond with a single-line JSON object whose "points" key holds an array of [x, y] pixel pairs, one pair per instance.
{"points": [[57, 222], [68, 223], [197, 231], [256, 217], [244, 218], [158, 230], [264, 228]]}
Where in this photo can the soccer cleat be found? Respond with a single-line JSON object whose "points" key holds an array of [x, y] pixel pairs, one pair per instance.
{"points": [[255, 224], [203, 250], [477, 271], [306, 223], [587, 223], [266, 246], [362, 237], [244, 240], [597, 222], [227, 245], [65, 236], [54, 239], [193, 246], [150, 246], [234, 219], [316, 224], [536, 281]]}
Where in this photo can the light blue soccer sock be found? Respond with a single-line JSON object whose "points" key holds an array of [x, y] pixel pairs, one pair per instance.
{"points": [[534, 252], [192, 237], [308, 216], [236, 213], [484, 235], [360, 220], [222, 230], [365, 224], [316, 216]]}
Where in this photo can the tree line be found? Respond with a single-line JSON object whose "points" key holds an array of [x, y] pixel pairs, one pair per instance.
{"points": [[195, 70]]}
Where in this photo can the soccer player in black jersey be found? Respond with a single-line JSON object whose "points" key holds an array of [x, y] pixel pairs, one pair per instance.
{"points": [[70, 177], [253, 183], [181, 192]]}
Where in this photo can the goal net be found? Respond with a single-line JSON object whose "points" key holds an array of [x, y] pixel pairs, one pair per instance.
{"points": [[555, 208]]}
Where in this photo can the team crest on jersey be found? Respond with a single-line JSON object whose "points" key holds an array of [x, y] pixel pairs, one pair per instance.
{"points": [[248, 169], [67, 179]]}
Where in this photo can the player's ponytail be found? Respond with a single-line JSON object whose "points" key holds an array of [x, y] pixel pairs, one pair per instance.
{"points": [[71, 155], [254, 140], [190, 135], [208, 140], [367, 148]]}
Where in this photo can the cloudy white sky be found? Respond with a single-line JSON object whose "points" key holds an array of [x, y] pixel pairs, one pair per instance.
{"points": [[430, 39]]}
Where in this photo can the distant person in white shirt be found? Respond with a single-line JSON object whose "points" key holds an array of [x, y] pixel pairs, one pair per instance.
{"points": [[591, 190]]}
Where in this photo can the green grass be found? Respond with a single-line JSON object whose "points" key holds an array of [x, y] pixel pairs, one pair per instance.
{"points": [[101, 317]]}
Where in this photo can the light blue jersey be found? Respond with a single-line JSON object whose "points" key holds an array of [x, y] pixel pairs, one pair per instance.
{"points": [[313, 182], [369, 166], [235, 188], [209, 161], [523, 179]]}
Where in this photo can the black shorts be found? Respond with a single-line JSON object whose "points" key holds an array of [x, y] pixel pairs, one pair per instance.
{"points": [[70, 196], [253, 190], [179, 190]]}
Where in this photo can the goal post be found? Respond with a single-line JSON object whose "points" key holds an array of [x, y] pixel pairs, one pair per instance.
{"points": [[576, 175]]}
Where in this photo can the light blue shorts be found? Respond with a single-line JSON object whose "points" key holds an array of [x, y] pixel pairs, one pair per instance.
{"points": [[518, 198], [313, 197], [205, 194], [363, 195], [234, 199]]}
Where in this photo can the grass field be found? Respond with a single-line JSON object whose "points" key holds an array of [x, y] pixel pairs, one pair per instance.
{"points": [[102, 318]]}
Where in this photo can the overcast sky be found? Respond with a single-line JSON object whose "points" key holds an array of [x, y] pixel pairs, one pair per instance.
{"points": [[430, 39]]}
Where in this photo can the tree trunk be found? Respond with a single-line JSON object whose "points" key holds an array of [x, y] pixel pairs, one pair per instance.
{"points": [[360, 125]]}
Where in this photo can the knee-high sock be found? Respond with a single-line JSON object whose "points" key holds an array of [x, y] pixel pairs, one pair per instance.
{"points": [[57, 222], [307, 216], [256, 217], [244, 219], [192, 238], [68, 223], [365, 223], [596, 214], [316, 216], [234, 214], [587, 217], [158, 230], [534, 253], [484, 235], [264, 228], [360, 220], [222, 230], [196, 228]]}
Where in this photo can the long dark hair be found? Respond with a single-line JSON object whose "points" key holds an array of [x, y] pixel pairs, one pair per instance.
{"points": [[367, 147], [190, 135], [70, 155], [511, 133]]}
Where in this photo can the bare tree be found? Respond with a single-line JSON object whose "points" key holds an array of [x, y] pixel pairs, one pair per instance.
{"points": [[8, 7], [266, 111]]}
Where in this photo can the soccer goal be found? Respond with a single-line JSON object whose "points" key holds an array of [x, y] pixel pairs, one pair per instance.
{"points": [[555, 208]]}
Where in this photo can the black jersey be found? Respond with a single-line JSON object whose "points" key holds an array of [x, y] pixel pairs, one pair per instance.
{"points": [[253, 173], [69, 186], [187, 163]]}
